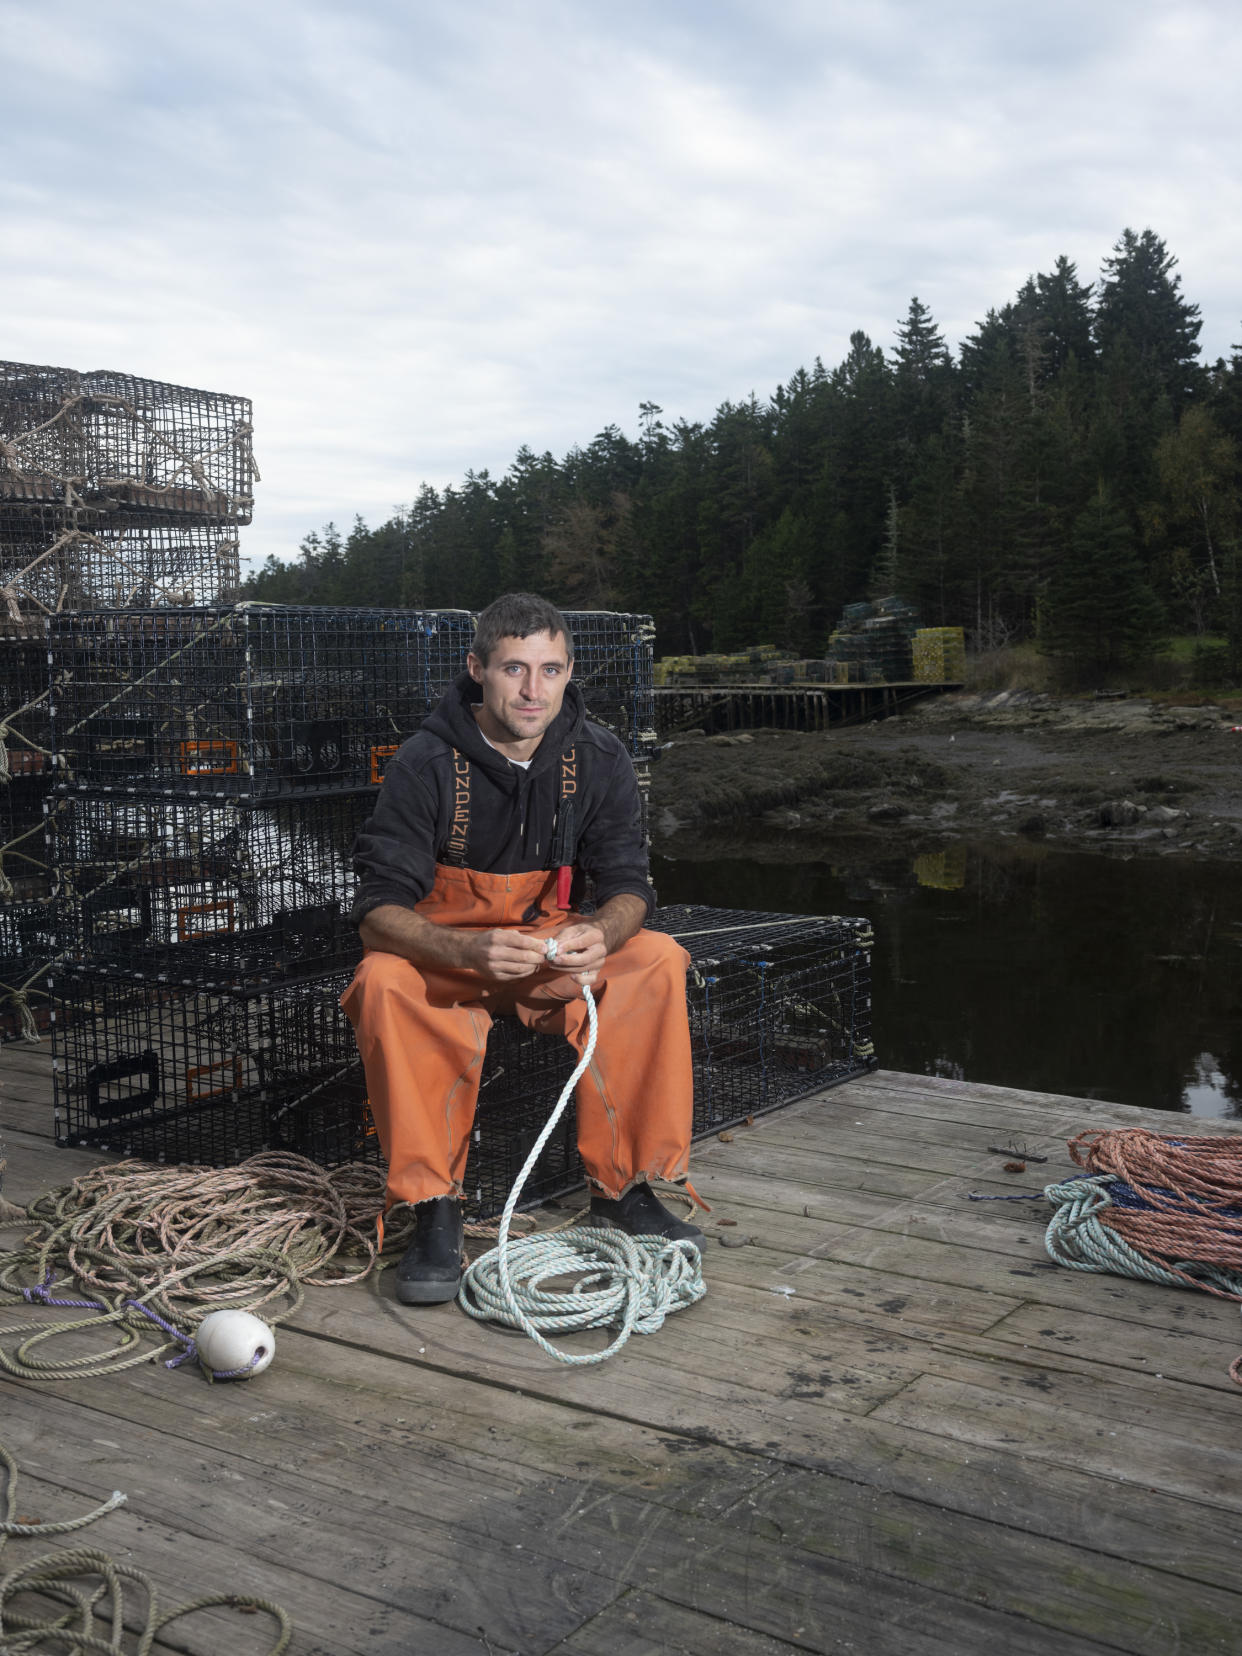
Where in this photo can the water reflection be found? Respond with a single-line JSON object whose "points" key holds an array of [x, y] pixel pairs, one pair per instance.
{"points": [[1030, 968]]}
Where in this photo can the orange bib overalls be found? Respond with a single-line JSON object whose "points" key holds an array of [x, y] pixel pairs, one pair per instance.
{"points": [[422, 1034]]}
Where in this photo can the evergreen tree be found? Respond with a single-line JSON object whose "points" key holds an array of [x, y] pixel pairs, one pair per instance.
{"points": [[997, 334], [929, 560], [883, 583], [994, 498], [1099, 609], [1140, 301], [858, 467], [1065, 311], [1197, 512], [923, 386]]}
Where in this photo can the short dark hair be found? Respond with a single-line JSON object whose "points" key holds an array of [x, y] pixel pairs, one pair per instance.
{"points": [[518, 615]]}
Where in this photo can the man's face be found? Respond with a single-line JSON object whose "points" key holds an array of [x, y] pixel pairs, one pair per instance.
{"points": [[523, 687]]}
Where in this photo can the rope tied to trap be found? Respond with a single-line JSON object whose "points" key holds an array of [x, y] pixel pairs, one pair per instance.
{"points": [[631, 1283]]}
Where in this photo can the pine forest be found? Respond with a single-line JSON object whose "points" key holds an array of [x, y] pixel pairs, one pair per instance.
{"points": [[1070, 479]]}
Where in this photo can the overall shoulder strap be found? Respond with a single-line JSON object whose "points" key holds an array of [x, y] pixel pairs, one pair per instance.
{"points": [[454, 849]]}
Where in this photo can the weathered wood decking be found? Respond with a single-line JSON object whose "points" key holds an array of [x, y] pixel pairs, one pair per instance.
{"points": [[893, 1426]]}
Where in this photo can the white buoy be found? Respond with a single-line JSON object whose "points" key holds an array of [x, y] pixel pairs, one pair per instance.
{"points": [[229, 1341]]}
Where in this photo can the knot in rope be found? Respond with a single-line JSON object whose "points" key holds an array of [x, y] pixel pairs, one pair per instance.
{"points": [[30, 1029]]}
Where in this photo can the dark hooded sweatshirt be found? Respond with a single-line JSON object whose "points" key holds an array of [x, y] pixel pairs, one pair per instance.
{"points": [[512, 811]]}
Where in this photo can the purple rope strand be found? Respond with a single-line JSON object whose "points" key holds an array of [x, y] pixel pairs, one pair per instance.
{"points": [[187, 1340], [41, 1295]]}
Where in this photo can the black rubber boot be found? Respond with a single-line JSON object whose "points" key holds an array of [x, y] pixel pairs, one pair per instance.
{"points": [[640, 1213], [430, 1271]]}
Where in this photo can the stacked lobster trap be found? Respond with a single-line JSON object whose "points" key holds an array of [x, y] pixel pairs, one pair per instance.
{"points": [[779, 1005], [115, 491], [214, 767]]}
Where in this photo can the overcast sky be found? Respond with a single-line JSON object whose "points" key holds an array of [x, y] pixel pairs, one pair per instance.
{"points": [[420, 233]]}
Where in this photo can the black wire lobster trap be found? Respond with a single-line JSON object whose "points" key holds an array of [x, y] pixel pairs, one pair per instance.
{"points": [[26, 760], [252, 700], [52, 560], [115, 441], [218, 894], [779, 1007], [28, 942], [247, 701], [176, 1074], [25, 702], [27, 914], [613, 669]]}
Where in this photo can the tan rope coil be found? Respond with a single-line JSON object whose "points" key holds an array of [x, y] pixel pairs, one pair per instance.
{"points": [[62, 1576]]}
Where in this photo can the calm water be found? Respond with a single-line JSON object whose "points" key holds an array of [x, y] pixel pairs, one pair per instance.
{"points": [[1059, 973]]}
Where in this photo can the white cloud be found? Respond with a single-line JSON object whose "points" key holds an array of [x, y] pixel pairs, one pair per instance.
{"points": [[420, 236]]}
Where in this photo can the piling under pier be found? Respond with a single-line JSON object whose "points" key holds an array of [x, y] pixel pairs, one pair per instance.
{"points": [[723, 707]]}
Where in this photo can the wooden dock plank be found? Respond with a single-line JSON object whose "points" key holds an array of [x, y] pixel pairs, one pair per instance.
{"points": [[339, 1409], [893, 1424], [581, 1525]]}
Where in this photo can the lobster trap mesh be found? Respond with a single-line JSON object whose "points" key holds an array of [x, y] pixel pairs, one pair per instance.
{"points": [[28, 944], [255, 700], [214, 894], [52, 561], [115, 440], [248, 701], [779, 1007], [613, 669], [25, 753], [25, 701], [179, 1074]]}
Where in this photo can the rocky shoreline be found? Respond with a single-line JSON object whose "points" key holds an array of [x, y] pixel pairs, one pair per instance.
{"points": [[1117, 775]]}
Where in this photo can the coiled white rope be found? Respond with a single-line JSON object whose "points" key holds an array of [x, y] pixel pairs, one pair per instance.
{"points": [[632, 1281]]}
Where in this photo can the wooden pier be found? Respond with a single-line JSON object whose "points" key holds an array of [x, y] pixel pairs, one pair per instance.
{"points": [[893, 1427], [714, 708]]}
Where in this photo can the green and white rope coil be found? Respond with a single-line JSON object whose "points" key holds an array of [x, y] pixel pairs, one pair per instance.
{"points": [[633, 1282], [1076, 1239]]}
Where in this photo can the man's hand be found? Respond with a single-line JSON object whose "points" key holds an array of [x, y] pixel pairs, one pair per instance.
{"points": [[501, 953], [581, 950], [505, 953]]}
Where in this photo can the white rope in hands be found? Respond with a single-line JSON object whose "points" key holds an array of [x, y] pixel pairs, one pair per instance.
{"points": [[632, 1281]]}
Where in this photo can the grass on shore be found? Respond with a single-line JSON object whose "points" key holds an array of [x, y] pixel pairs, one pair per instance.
{"points": [[1191, 672]]}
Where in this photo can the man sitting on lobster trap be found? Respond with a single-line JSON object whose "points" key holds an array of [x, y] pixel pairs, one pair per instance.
{"points": [[488, 824]]}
